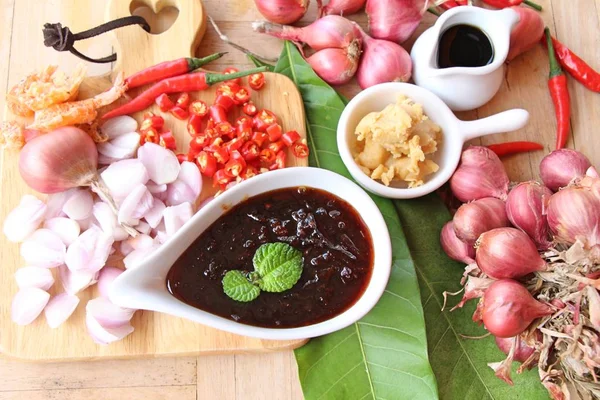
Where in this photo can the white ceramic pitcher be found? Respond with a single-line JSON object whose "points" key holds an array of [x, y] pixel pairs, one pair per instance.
{"points": [[464, 88]]}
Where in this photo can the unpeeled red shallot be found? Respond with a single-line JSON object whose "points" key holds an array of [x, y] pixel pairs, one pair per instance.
{"points": [[480, 174], [282, 11], [527, 33], [507, 253], [526, 208], [561, 167], [479, 216], [455, 248], [508, 308], [340, 7], [394, 20]]}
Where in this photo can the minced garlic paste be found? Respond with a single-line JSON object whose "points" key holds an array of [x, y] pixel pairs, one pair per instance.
{"points": [[392, 143]]}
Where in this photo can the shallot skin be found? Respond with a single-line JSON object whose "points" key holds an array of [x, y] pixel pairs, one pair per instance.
{"points": [[508, 308], [340, 7], [455, 248], [394, 20], [523, 351], [282, 11], [574, 214], [507, 253]]}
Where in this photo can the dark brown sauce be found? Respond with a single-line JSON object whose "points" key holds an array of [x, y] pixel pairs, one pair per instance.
{"points": [[464, 46], [336, 245]]}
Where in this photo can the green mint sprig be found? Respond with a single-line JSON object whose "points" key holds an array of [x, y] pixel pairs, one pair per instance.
{"points": [[277, 268]]}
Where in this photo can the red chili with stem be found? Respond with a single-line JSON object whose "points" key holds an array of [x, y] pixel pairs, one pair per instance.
{"points": [[578, 68], [557, 83], [168, 69], [511, 3], [183, 83], [504, 149]]}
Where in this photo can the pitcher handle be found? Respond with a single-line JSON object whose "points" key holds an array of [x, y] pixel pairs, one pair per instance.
{"points": [[505, 121]]}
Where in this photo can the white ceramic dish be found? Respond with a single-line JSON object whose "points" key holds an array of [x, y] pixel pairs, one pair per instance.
{"points": [[454, 134], [144, 287]]}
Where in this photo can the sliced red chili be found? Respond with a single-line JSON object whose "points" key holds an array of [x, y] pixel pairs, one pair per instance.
{"points": [[300, 150], [164, 102], [225, 101], [244, 133], [259, 138], [290, 138], [274, 131], [256, 81], [221, 154], [183, 100], [228, 89], [152, 121], [235, 165], [194, 125], [218, 113], [276, 146], [220, 178], [250, 109], [167, 140], [250, 151], [149, 135], [242, 96], [200, 141], [264, 119], [249, 172], [179, 112], [182, 157], [234, 144], [231, 70], [279, 161], [267, 156], [224, 129], [198, 108], [207, 163]]}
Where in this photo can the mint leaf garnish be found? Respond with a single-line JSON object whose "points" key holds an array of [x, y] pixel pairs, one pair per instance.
{"points": [[237, 286], [279, 265]]}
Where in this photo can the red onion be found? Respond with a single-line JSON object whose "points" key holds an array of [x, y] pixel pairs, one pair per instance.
{"points": [[527, 33], [560, 167], [63, 159], [508, 308], [473, 219], [454, 247], [382, 61], [337, 41], [480, 174], [282, 11], [394, 20], [526, 207], [523, 351], [507, 253], [340, 7], [574, 214]]}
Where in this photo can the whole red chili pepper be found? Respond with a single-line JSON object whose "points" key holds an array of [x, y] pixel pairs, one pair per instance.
{"points": [[578, 68], [510, 3], [448, 4], [504, 149], [182, 83], [168, 69], [557, 84]]}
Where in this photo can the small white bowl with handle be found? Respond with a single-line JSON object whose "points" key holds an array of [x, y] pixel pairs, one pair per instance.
{"points": [[455, 133], [144, 286]]}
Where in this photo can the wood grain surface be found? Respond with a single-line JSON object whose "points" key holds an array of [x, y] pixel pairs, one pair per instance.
{"points": [[263, 376]]}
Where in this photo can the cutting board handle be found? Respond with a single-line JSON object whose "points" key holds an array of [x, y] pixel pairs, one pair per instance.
{"points": [[137, 49]]}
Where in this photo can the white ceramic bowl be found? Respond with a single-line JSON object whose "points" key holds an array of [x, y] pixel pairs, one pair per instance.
{"points": [[454, 134], [144, 287]]}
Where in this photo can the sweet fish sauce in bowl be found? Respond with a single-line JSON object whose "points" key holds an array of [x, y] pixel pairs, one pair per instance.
{"points": [[337, 253]]}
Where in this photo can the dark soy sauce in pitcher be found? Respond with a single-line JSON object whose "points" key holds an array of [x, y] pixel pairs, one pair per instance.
{"points": [[464, 46]]}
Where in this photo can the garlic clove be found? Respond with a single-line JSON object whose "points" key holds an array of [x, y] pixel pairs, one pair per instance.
{"points": [[28, 304], [35, 277], [67, 229], [162, 164], [43, 248], [60, 308], [23, 220]]}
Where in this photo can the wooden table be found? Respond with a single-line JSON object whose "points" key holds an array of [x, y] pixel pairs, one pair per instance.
{"points": [[263, 376]]}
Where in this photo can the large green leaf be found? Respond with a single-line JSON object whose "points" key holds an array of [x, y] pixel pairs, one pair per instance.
{"points": [[460, 365], [384, 355]]}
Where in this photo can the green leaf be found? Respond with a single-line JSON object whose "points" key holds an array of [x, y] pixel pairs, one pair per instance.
{"points": [[384, 355], [279, 266], [460, 365], [237, 286]]}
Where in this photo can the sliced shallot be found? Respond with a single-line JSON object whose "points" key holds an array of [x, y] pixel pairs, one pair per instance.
{"points": [[104, 336], [24, 219], [135, 205], [121, 176], [106, 278], [89, 251], [75, 281], [108, 221], [162, 164], [119, 148], [79, 205], [118, 126], [176, 216], [67, 229], [43, 248], [28, 304], [60, 308], [108, 314], [36, 277], [155, 214]]}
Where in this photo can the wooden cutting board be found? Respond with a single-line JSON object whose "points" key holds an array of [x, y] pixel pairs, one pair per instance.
{"points": [[155, 334]]}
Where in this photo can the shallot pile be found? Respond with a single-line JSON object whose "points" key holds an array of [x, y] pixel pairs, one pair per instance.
{"points": [[533, 259], [343, 49], [93, 220]]}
